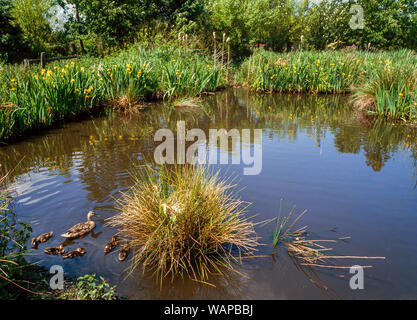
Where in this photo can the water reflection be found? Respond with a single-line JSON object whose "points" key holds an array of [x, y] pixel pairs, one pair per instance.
{"points": [[84, 165]]}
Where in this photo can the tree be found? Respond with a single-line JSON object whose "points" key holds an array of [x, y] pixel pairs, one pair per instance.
{"points": [[388, 24], [31, 17], [11, 39]]}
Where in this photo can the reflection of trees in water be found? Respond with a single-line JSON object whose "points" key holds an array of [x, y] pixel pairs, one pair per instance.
{"points": [[315, 115], [102, 149]]}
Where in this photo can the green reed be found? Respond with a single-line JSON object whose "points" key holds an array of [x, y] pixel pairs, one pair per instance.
{"points": [[41, 97], [382, 83]]}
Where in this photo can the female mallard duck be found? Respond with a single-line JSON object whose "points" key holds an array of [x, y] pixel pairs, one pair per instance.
{"points": [[81, 229], [124, 253], [42, 238], [79, 252], [55, 250], [111, 245]]}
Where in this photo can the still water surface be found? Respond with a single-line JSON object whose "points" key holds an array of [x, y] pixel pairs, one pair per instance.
{"points": [[356, 178]]}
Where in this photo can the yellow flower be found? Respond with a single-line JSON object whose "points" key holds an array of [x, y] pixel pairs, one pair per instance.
{"points": [[72, 80], [49, 73], [77, 90], [13, 80], [66, 66], [13, 89]]}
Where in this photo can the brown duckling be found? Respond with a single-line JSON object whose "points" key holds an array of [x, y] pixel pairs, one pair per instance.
{"points": [[123, 253], [81, 229], [42, 238], [79, 252], [55, 250], [111, 245]]}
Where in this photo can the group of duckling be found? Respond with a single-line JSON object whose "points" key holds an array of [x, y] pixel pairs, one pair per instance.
{"points": [[77, 231]]}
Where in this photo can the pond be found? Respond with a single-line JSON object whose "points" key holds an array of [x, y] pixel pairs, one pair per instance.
{"points": [[355, 176]]}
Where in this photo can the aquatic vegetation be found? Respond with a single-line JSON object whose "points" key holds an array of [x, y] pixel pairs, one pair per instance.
{"points": [[307, 252], [183, 221], [383, 83], [281, 228], [390, 91], [41, 97]]}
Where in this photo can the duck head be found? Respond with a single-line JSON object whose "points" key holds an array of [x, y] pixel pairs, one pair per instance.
{"points": [[90, 215]]}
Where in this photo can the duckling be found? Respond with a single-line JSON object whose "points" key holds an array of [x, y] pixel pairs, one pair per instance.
{"points": [[123, 253], [79, 252], [55, 250], [42, 238], [111, 245], [81, 229]]}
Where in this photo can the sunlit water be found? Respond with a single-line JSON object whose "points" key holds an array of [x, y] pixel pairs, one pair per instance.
{"points": [[355, 177]]}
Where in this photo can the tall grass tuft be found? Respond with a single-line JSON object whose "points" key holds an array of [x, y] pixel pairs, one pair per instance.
{"points": [[184, 221]]}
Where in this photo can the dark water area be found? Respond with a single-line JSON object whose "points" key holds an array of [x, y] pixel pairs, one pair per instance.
{"points": [[355, 176]]}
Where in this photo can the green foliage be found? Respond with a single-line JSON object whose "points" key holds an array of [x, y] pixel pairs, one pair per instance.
{"points": [[38, 99], [383, 83], [13, 238], [12, 44], [31, 17], [90, 288], [388, 24]]}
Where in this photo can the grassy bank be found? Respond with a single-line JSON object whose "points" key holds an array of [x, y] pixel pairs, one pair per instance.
{"points": [[382, 83], [41, 97]]}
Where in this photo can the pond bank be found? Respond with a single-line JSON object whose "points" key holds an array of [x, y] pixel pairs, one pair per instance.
{"points": [[380, 83]]}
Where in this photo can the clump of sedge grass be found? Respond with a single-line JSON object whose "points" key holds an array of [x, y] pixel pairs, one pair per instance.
{"points": [[184, 221]]}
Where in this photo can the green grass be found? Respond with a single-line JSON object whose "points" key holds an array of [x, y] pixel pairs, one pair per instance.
{"points": [[184, 221]]}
